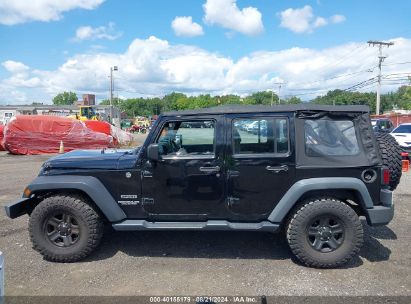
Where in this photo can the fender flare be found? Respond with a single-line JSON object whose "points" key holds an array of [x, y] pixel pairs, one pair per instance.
{"points": [[87, 184], [301, 187]]}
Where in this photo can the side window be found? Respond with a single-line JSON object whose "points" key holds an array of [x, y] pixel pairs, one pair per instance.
{"points": [[330, 137], [187, 138], [261, 136]]}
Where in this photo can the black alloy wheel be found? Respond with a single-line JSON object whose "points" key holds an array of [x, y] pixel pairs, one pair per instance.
{"points": [[62, 229], [326, 233]]}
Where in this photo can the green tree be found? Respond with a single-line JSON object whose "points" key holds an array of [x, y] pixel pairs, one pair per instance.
{"points": [[65, 98], [116, 101], [170, 100], [293, 100], [261, 98], [403, 97], [228, 99]]}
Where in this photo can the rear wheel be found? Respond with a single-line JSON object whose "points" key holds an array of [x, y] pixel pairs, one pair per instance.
{"points": [[391, 157], [65, 228], [324, 233]]}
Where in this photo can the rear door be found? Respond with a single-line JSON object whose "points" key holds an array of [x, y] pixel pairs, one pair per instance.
{"points": [[261, 164]]}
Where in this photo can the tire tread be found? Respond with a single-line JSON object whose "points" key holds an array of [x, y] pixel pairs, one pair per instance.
{"points": [[91, 217], [304, 210]]}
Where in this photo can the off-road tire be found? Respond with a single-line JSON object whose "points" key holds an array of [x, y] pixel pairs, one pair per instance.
{"points": [[89, 224], [298, 233], [391, 157]]}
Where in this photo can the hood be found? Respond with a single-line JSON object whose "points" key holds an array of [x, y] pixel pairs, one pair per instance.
{"points": [[87, 159]]}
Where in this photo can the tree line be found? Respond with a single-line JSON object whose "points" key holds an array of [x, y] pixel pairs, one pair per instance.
{"points": [[400, 99], [179, 101]]}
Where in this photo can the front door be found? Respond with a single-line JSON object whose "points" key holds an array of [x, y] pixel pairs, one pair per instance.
{"points": [[261, 164], [188, 180]]}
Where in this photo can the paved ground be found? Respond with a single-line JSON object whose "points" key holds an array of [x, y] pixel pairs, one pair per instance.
{"points": [[181, 263]]}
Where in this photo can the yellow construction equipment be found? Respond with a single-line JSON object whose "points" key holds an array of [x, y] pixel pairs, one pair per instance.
{"points": [[86, 113]]}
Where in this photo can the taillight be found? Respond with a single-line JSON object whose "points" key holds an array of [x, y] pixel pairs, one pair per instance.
{"points": [[405, 162], [405, 165], [386, 176]]}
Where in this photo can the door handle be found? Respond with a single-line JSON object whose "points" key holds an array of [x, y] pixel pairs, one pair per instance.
{"points": [[277, 169], [210, 169]]}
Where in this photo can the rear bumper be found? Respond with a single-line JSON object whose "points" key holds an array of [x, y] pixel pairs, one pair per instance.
{"points": [[380, 215], [17, 208], [383, 214]]}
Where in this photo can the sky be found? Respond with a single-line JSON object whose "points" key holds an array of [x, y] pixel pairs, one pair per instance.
{"points": [[297, 48]]}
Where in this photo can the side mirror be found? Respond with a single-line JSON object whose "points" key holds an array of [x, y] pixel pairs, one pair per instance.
{"points": [[153, 152]]}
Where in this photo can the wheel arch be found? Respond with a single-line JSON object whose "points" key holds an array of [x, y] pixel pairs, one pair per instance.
{"points": [[88, 186], [341, 188], [40, 195]]}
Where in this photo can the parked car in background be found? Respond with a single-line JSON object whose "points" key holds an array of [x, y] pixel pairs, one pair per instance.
{"points": [[249, 127], [402, 134], [383, 125]]}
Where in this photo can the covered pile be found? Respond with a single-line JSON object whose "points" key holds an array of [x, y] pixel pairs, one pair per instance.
{"points": [[120, 137], [1, 138], [26, 134]]}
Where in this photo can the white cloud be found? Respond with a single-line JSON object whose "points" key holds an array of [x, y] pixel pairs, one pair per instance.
{"points": [[337, 18], [320, 21], [297, 20], [20, 11], [185, 27], [226, 14], [102, 32], [302, 20], [154, 67], [14, 66], [20, 75]]}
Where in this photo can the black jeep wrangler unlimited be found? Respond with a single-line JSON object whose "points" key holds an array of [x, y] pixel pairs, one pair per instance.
{"points": [[308, 170]]}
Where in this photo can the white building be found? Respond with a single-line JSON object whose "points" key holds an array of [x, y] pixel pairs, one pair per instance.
{"points": [[7, 112]]}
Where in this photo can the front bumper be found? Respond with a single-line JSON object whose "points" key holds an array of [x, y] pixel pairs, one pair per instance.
{"points": [[18, 208], [383, 214]]}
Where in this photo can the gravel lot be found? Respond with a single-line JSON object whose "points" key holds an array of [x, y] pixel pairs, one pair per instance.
{"points": [[206, 263]]}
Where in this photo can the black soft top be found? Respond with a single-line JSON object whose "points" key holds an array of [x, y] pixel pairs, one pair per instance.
{"points": [[232, 109]]}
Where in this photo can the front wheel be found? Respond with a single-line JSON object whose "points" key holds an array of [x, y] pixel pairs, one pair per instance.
{"points": [[324, 233], [65, 228]]}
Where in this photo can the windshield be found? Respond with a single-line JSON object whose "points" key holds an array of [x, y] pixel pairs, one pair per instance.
{"points": [[402, 129]]}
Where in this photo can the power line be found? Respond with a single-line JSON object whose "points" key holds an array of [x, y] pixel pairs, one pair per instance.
{"points": [[347, 55], [397, 63], [338, 76], [362, 84]]}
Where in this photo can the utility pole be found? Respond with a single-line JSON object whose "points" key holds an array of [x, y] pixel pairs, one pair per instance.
{"points": [[279, 90], [381, 58], [114, 68]]}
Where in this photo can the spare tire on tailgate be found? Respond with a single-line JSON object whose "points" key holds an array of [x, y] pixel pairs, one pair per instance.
{"points": [[391, 157]]}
